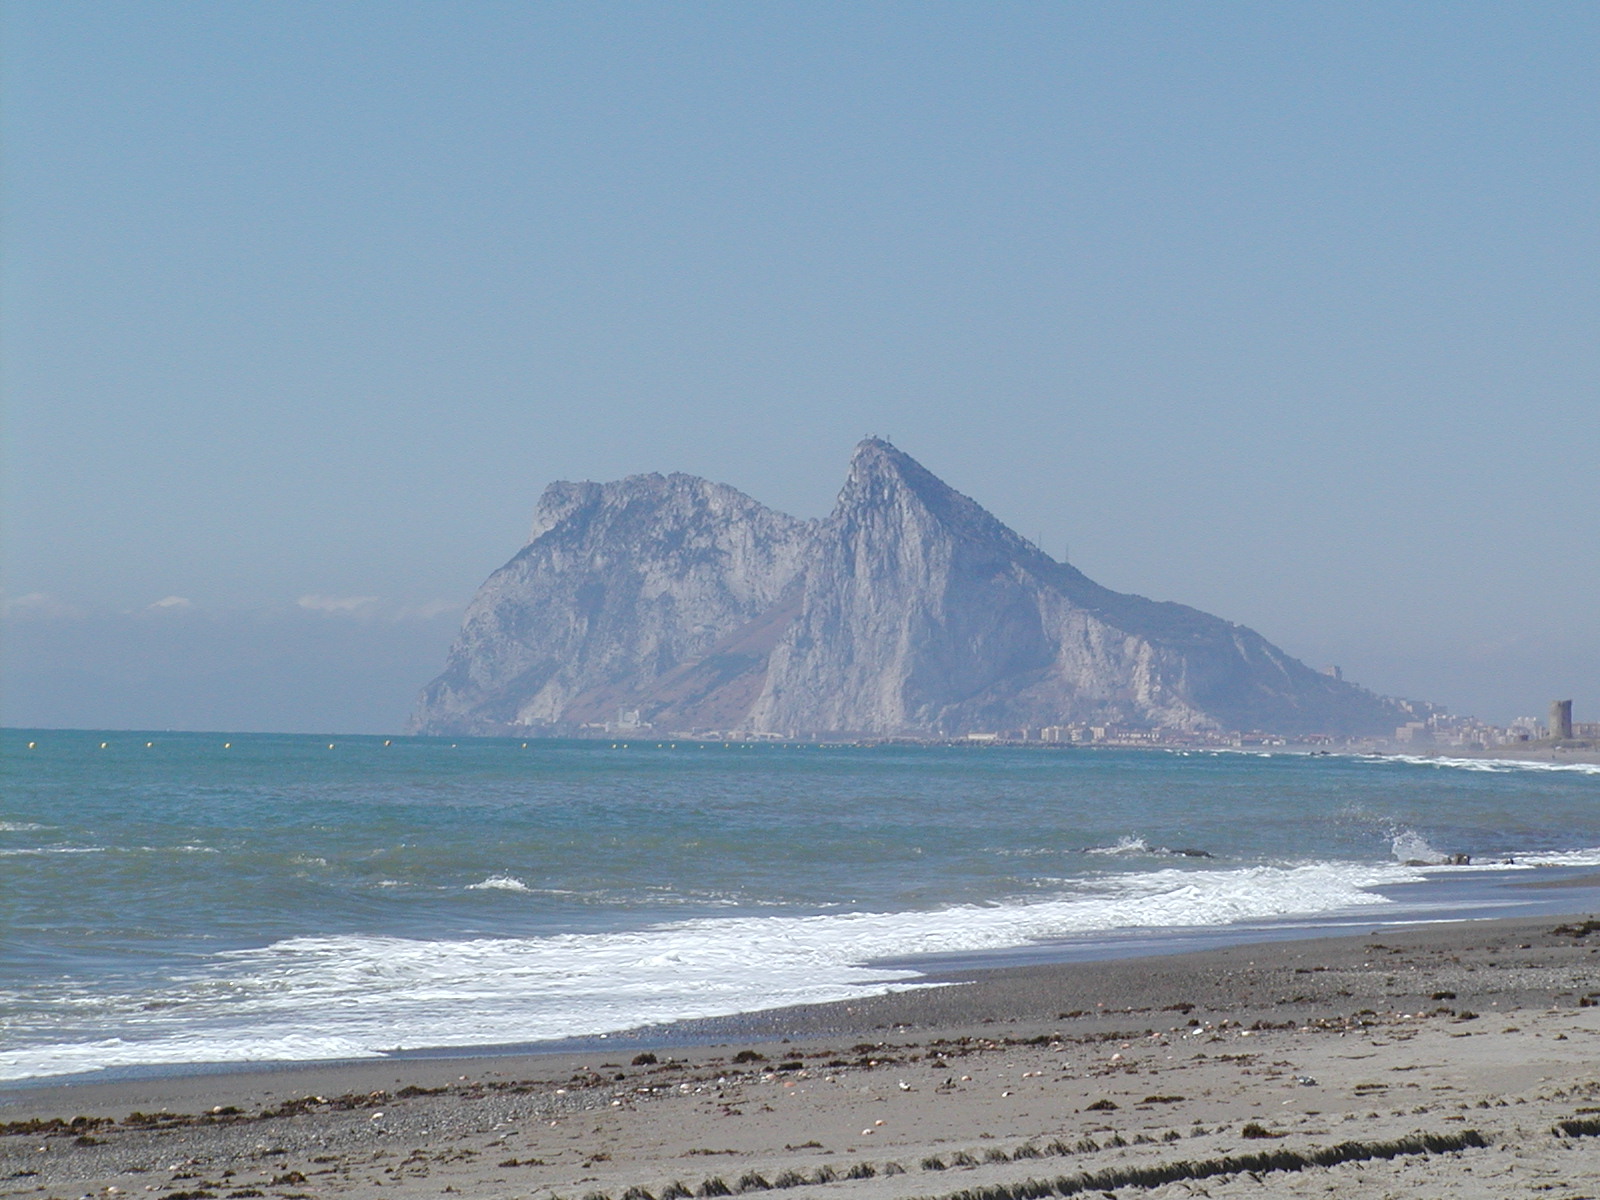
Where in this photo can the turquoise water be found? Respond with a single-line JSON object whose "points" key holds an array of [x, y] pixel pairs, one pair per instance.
{"points": [[284, 898]]}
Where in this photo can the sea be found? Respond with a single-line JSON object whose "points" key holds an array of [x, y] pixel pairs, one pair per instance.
{"points": [[179, 902]]}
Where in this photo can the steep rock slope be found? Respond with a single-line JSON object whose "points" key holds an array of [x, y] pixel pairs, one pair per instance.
{"points": [[620, 585], [923, 614]]}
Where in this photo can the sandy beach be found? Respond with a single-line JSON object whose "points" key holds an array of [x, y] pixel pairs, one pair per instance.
{"points": [[1446, 1060]]}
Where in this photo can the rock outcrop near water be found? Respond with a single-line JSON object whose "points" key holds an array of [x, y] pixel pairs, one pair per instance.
{"points": [[908, 611]]}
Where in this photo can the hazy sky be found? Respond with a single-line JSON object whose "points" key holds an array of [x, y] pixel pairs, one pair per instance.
{"points": [[1287, 311]]}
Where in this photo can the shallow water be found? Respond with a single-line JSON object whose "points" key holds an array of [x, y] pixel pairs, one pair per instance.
{"points": [[284, 898]]}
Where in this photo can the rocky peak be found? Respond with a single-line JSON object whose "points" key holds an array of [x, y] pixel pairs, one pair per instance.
{"points": [[887, 486], [560, 502]]}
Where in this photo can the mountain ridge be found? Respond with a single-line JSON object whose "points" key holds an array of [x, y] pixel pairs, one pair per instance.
{"points": [[909, 611]]}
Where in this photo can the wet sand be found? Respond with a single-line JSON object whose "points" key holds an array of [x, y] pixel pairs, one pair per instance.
{"points": [[1444, 1060]]}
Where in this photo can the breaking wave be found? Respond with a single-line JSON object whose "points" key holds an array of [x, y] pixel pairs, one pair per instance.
{"points": [[499, 883], [360, 997], [1499, 766]]}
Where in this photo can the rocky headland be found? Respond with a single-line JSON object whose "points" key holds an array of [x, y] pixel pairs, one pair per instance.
{"points": [[909, 611]]}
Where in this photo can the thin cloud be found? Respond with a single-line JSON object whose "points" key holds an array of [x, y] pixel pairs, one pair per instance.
{"points": [[39, 606], [341, 606]]}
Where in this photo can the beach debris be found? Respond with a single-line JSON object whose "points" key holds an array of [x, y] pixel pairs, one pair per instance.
{"points": [[1305, 1080], [1104, 1104], [1577, 929], [1578, 1127], [644, 1060]]}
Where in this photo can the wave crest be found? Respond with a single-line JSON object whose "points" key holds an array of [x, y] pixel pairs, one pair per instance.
{"points": [[499, 883]]}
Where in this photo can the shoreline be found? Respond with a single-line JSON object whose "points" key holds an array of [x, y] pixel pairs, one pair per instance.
{"points": [[1487, 895], [1009, 1057], [1580, 751]]}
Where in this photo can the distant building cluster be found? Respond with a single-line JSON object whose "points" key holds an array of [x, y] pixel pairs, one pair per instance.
{"points": [[1440, 729], [1432, 729]]}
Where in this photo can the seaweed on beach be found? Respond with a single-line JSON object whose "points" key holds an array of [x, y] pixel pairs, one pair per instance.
{"points": [[1158, 1174], [1577, 930], [46, 1126], [1579, 1127]]}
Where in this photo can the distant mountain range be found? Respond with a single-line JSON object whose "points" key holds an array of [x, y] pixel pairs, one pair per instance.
{"points": [[908, 611]]}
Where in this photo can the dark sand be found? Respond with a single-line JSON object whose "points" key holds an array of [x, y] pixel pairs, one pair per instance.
{"points": [[1470, 1033]]}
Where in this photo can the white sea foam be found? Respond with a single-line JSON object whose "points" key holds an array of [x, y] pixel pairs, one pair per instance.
{"points": [[1123, 846], [1409, 846], [19, 827], [338, 997], [1492, 765], [1555, 858], [499, 883]]}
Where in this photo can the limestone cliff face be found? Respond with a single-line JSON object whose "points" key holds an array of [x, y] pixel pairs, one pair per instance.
{"points": [[924, 614], [621, 584], [909, 610]]}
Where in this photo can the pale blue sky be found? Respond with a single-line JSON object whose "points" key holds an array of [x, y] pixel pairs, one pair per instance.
{"points": [[1287, 311]]}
